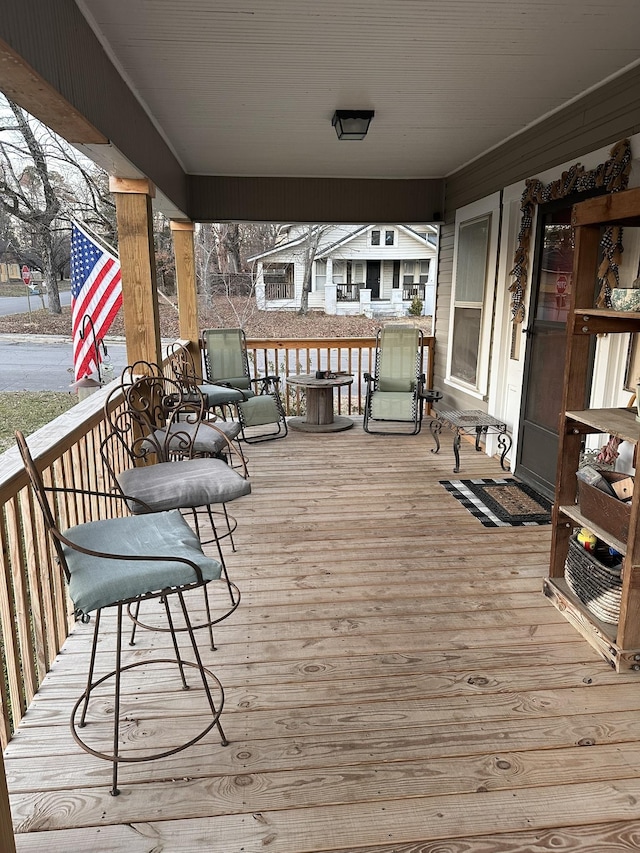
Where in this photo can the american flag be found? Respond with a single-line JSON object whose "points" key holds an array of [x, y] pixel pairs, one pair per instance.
{"points": [[96, 292]]}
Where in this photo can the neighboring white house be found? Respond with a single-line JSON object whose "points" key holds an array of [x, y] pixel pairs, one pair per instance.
{"points": [[374, 270]]}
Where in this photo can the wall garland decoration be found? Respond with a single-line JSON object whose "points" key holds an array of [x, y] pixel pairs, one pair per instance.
{"points": [[612, 175]]}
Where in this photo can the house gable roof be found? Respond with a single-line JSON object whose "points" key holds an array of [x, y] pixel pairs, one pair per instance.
{"points": [[358, 230]]}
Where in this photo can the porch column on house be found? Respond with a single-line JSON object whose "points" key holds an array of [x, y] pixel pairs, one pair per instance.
{"points": [[184, 252], [138, 267], [261, 290], [330, 290]]}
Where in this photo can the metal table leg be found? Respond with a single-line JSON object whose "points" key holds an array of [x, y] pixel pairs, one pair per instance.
{"points": [[504, 443], [436, 427], [456, 449]]}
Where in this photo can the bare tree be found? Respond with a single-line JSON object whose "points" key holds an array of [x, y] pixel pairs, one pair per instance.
{"points": [[44, 183], [27, 193], [229, 243], [311, 245]]}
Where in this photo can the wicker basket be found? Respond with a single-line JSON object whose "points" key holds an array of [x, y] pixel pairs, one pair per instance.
{"points": [[598, 587]]}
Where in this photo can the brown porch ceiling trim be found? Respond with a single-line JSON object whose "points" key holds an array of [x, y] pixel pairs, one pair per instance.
{"points": [[54, 41], [350, 200]]}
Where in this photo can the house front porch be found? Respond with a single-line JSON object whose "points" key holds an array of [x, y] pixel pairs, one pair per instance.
{"points": [[395, 681]]}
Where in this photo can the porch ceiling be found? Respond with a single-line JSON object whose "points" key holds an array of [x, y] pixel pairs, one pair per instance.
{"points": [[248, 87]]}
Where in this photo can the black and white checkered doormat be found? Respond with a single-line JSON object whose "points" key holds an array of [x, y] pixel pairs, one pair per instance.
{"points": [[501, 502]]}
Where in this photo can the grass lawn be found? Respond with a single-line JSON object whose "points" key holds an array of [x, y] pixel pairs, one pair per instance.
{"points": [[29, 410]]}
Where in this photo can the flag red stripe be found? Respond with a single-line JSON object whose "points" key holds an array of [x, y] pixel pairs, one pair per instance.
{"points": [[100, 299], [82, 304]]}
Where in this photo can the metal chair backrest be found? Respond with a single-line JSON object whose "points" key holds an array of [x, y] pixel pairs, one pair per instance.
{"points": [[40, 491], [182, 367], [149, 423], [225, 357], [398, 358]]}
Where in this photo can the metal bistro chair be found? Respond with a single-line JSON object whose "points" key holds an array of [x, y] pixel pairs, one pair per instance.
{"points": [[112, 563], [395, 392], [227, 363], [218, 398], [171, 453]]}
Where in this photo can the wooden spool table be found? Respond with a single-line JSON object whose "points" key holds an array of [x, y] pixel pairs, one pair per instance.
{"points": [[319, 394]]}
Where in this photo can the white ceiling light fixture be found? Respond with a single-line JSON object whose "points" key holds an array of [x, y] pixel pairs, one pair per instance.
{"points": [[352, 124]]}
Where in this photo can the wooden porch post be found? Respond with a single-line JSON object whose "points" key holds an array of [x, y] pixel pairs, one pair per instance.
{"points": [[184, 252], [7, 841], [138, 266]]}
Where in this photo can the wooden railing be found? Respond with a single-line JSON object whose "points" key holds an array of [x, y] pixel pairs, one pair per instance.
{"points": [[279, 290], [34, 608], [349, 292], [410, 291], [353, 355]]}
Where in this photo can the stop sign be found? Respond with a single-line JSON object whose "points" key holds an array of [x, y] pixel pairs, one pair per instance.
{"points": [[26, 274]]}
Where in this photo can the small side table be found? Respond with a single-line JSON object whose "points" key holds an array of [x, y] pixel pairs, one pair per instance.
{"points": [[462, 422], [319, 393]]}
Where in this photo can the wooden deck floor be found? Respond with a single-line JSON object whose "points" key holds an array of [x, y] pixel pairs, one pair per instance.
{"points": [[395, 683]]}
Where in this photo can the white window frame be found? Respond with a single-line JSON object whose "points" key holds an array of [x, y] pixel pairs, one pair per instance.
{"points": [[394, 236], [408, 272], [380, 242], [487, 207], [320, 274]]}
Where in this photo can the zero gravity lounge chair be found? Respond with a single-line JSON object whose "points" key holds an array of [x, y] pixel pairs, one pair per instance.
{"points": [[260, 411], [395, 392]]}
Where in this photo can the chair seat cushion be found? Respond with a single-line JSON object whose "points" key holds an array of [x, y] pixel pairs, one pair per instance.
{"points": [[259, 410], [393, 406], [98, 581], [220, 395], [201, 438], [181, 485], [242, 382]]}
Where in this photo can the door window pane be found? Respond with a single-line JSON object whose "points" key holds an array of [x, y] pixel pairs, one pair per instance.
{"points": [[556, 267]]}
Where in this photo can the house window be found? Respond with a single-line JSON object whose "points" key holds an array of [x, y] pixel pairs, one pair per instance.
{"points": [[475, 258], [321, 275], [339, 272], [424, 272], [358, 273], [375, 238], [408, 275], [389, 238]]}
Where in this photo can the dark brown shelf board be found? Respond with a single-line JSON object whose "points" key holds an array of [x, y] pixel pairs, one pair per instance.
{"points": [[573, 512], [592, 321]]}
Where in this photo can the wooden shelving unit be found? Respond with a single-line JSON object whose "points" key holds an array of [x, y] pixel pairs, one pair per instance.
{"points": [[618, 644]]}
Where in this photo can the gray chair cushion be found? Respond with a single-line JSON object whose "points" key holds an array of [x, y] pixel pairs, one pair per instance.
{"points": [[181, 485], [259, 410], [219, 395], [97, 582], [199, 437]]}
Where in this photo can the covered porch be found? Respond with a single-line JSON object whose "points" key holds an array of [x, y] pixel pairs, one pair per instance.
{"points": [[395, 681]]}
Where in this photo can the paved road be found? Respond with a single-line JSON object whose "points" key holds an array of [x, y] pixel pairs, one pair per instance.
{"points": [[21, 304], [42, 363]]}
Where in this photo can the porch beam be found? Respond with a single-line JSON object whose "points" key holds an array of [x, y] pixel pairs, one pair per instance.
{"points": [[22, 84], [184, 252], [138, 267]]}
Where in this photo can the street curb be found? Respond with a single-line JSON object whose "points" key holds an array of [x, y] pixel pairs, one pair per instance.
{"points": [[22, 337]]}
